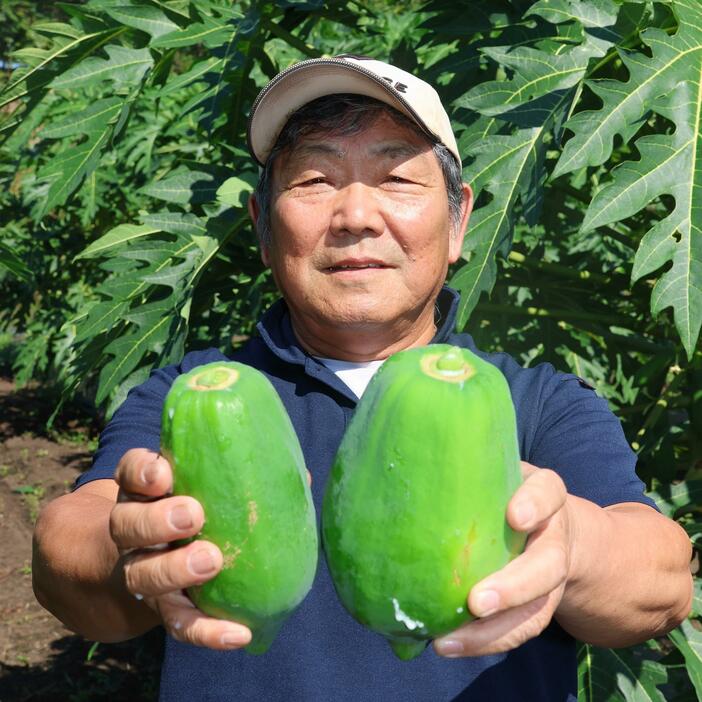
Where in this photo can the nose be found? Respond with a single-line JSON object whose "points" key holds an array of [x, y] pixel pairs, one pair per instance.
{"points": [[356, 212]]}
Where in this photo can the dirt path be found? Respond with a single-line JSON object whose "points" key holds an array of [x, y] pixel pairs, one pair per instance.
{"points": [[41, 660]]}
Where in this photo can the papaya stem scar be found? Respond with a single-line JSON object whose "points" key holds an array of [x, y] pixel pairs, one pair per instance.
{"points": [[216, 378]]}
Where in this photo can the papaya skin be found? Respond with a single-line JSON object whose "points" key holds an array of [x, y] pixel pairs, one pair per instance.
{"points": [[232, 447], [414, 513]]}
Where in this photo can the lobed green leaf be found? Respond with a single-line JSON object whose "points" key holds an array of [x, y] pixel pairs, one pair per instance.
{"points": [[123, 66], [669, 164], [183, 187], [146, 18], [614, 675], [688, 641], [87, 121], [117, 237]]}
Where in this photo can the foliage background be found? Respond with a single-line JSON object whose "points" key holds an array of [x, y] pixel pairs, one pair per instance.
{"points": [[125, 174]]}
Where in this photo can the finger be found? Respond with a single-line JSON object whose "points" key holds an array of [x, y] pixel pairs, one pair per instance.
{"points": [[540, 570], [502, 632], [139, 525], [527, 469], [309, 479], [144, 472], [160, 572], [184, 622], [537, 499]]}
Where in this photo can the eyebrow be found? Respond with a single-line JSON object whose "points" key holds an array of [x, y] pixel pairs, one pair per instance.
{"points": [[397, 149]]}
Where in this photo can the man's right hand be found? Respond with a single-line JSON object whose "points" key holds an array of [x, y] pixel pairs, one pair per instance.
{"points": [[143, 524]]}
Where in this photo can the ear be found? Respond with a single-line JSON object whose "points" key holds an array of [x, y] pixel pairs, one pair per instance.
{"points": [[457, 235], [254, 213]]}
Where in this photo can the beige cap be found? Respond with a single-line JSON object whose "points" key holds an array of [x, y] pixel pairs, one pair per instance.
{"points": [[308, 80]]}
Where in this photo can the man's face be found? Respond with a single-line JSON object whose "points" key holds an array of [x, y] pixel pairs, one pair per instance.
{"points": [[360, 227]]}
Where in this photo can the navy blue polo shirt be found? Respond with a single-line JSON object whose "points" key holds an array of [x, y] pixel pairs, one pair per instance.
{"points": [[321, 653]]}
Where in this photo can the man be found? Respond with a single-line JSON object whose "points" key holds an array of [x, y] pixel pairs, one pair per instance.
{"points": [[360, 210]]}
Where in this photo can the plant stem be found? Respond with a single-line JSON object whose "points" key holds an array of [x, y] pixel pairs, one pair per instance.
{"points": [[289, 38]]}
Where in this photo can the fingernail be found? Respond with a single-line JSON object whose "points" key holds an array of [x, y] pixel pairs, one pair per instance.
{"points": [[233, 638], [201, 562], [448, 647], [524, 513], [486, 603], [148, 475], [180, 517]]}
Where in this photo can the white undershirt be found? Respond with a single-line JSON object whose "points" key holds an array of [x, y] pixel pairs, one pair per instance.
{"points": [[355, 375]]}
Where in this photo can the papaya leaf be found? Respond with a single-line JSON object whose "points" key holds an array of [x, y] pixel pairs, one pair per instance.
{"points": [[211, 32], [137, 323], [98, 319], [142, 314], [128, 284], [236, 190], [226, 81], [502, 165], [67, 170], [128, 350], [30, 56], [151, 332], [173, 275], [60, 28], [669, 164], [537, 101], [123, 66], [118, 236], [33, 356], [219, 230], [510, 168], [688, 640], [43, 73], [11, 262], [92, 119], [536, 74], [588, 13], [146, 18], [616, 676], [671, 498], [696, 598], [196, 73], [183, 187], [120, 394], [604, 22], [174, 223], [624, 104]]}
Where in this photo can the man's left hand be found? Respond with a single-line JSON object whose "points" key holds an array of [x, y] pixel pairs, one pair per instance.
{"points": [[516, 603]]}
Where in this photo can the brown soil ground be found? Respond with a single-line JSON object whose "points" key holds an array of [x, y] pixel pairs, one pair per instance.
{"points": [[41, 660]]}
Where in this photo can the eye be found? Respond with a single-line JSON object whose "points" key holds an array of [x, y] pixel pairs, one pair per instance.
{"points": [[314, 181], [400, 182]]}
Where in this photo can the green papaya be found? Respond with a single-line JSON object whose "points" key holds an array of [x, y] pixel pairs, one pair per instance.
{"points": [[414, 512], [232, 446]]}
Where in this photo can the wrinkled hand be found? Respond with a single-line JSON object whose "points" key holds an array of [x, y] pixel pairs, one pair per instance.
{"points": [[516, 603], [143, 524]]}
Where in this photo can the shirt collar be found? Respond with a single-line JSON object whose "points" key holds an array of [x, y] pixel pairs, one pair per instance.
{"points": [[276, 329]]}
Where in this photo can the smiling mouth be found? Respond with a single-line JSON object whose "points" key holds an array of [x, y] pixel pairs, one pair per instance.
{"points": [[354, 267]]}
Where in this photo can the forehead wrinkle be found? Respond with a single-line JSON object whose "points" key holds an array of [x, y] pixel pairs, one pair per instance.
{"points": [[394, 149], [307, 148]]}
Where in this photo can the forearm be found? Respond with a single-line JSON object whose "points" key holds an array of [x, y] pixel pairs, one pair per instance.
{"points": [[629, 578], [77, 573]]}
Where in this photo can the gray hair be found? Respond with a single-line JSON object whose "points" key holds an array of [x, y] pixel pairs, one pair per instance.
{"points": [[344, 115]]}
